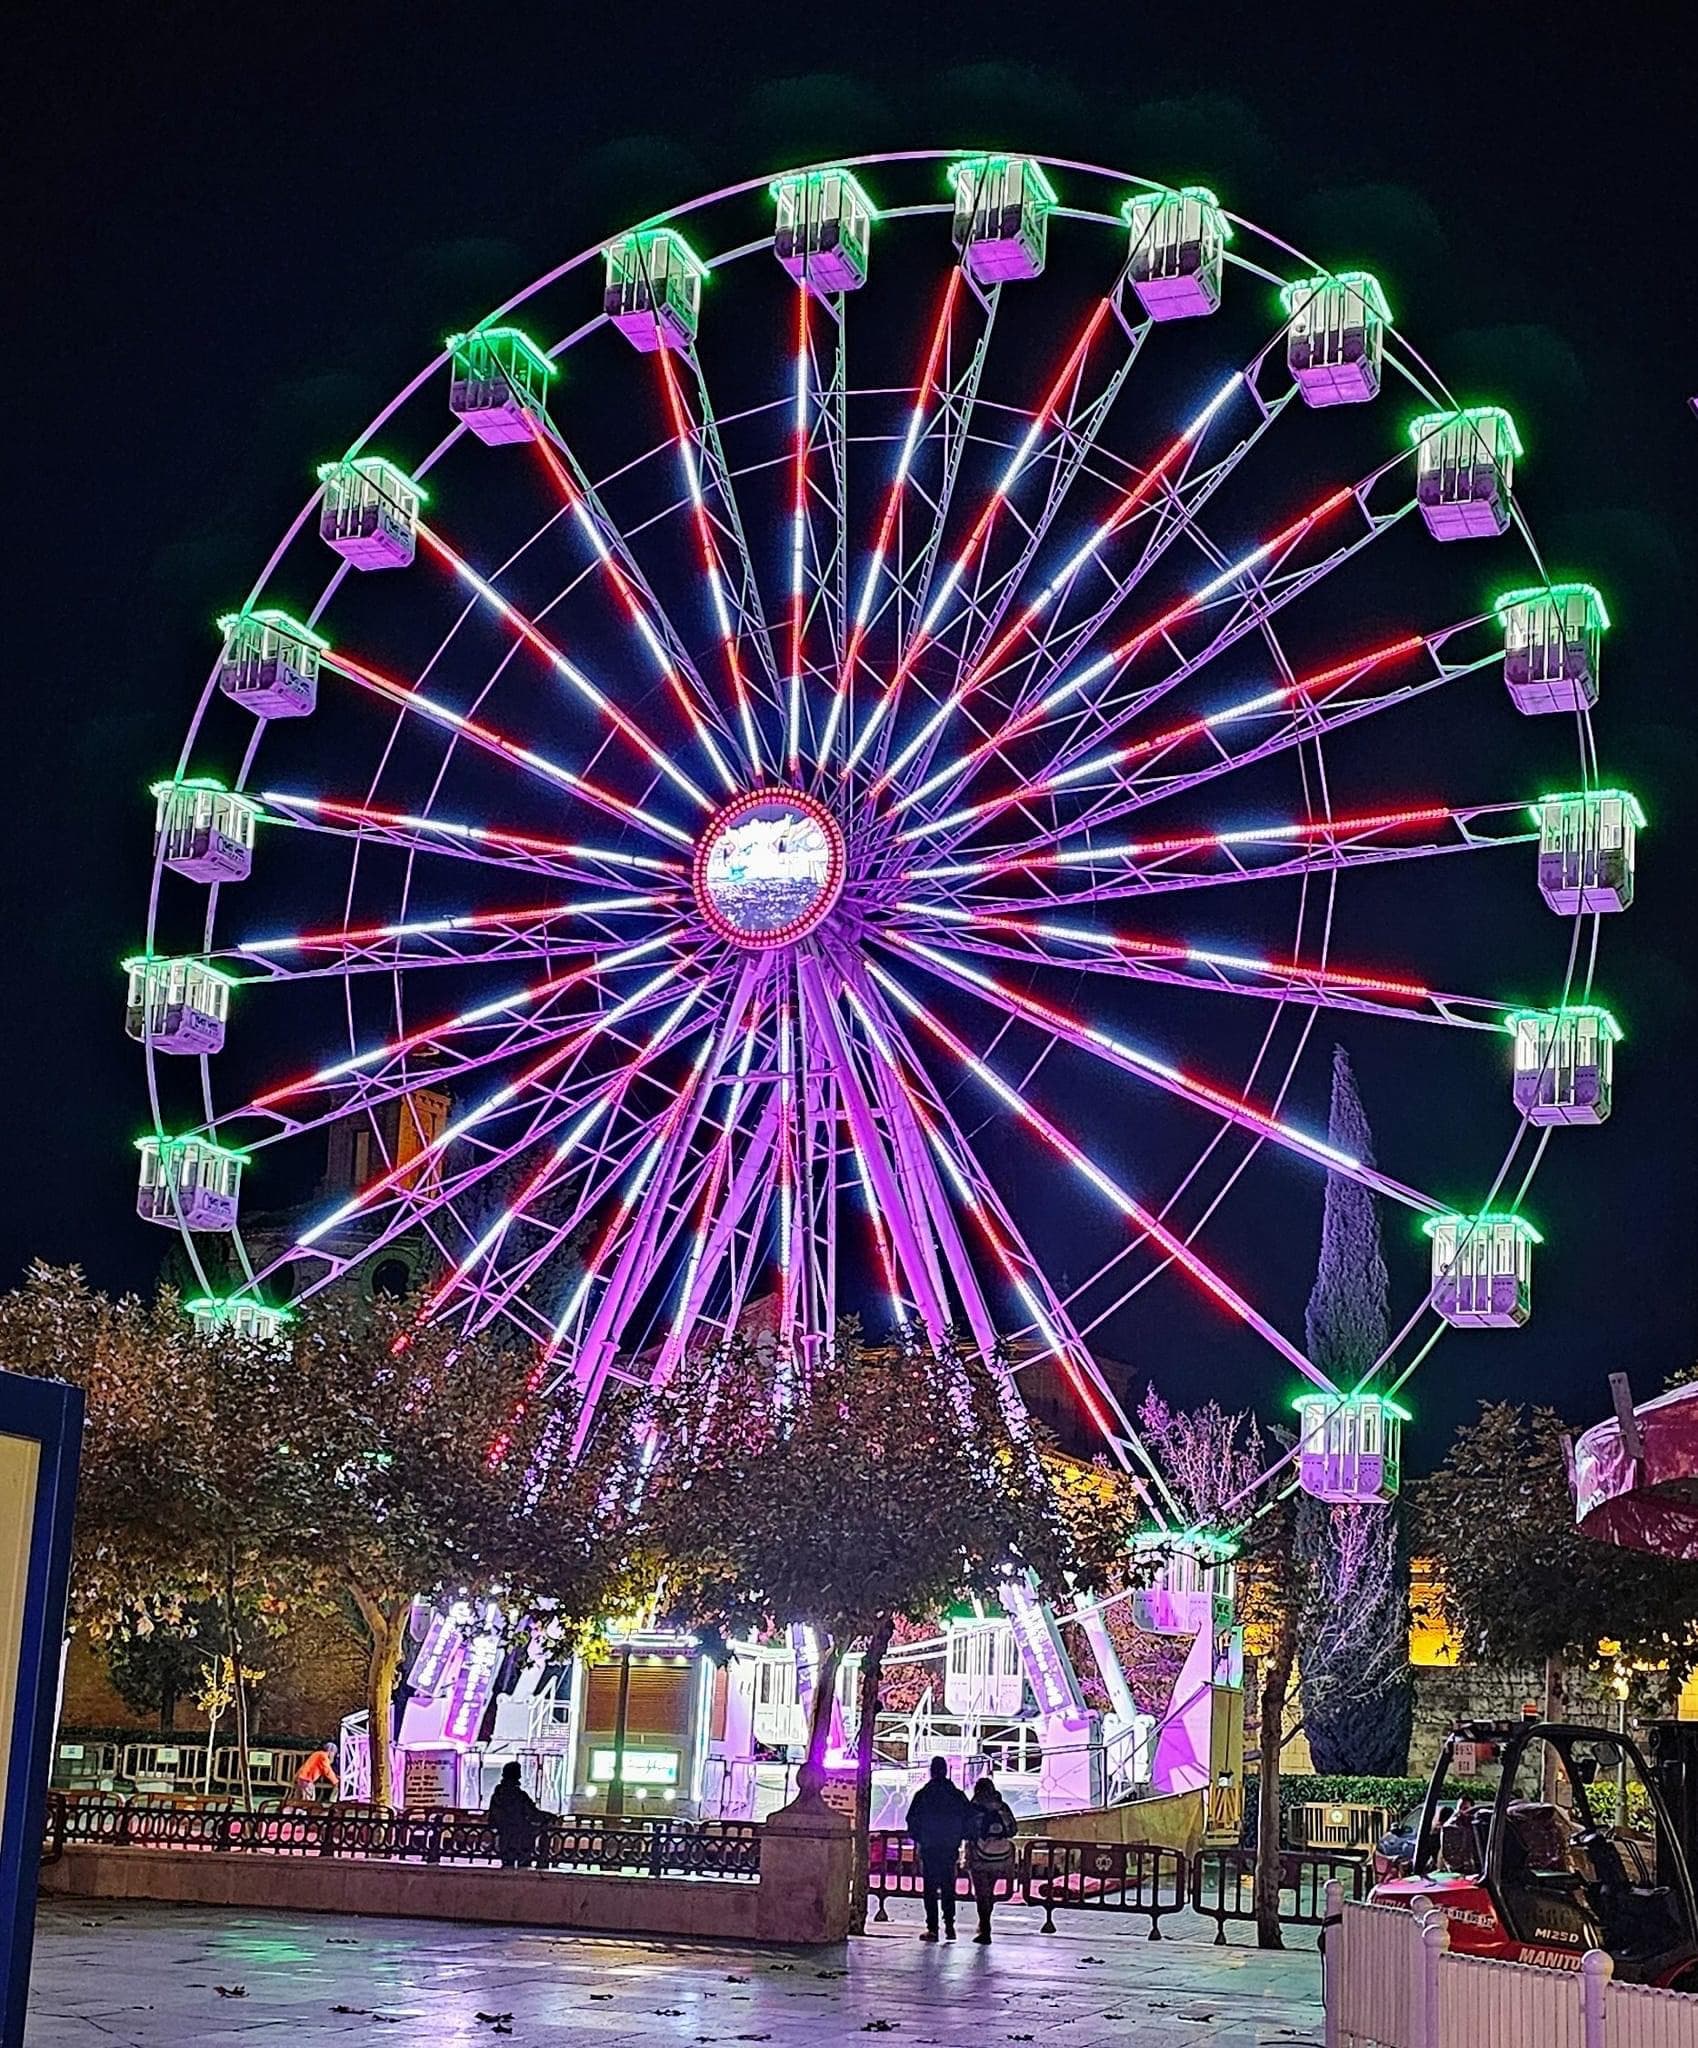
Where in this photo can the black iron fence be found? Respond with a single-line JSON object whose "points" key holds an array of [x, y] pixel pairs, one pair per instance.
{"points": [[658, 1848], [1223, 1885], [1140, 1879]]}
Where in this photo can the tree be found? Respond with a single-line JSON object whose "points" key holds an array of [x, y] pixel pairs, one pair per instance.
{"points": [[1214, 1463], [1520, 1583], [358, 1460], [152, 1668], [120, 1353], [849, 1490], [424, 1463], [187, 1493], [1358, 1703]]}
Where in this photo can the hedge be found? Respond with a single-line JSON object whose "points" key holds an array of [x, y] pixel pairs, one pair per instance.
{"points": [[1397, 1795]]}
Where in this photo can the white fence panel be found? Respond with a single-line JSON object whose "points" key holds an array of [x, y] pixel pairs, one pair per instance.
{"points": [[1508, 2005], [1376, 1997], [1391, 1983], [1639, 2016]]}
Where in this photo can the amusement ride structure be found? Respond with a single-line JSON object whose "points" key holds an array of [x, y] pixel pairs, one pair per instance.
{"points": [[741, 815]]}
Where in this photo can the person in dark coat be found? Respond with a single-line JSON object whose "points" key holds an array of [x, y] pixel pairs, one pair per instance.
{"points": [[517, 1820], [940, 1819], [990, 1849]]}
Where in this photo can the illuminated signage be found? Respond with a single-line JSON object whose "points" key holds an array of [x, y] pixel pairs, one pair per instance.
{"points": [[642, 1766]]}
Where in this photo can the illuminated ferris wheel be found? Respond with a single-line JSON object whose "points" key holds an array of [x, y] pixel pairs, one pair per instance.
{"points": [[788, 846]]}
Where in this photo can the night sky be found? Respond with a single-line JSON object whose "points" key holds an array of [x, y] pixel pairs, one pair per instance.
{"points": [[237, 245]]}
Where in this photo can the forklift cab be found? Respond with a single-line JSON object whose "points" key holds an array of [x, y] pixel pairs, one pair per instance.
{"points": [[1540, 1840]]}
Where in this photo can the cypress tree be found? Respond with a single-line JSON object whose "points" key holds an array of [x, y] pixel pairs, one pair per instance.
{"points": [[1358, 1700]]}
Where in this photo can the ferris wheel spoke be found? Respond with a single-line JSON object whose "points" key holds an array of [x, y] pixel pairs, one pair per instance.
{"points": [[588, 691], [908, 599], [1142, 1220], [938, 610], [1212, 970], [924, 1214], [818, 506], [505, 1025], [482, 845], [1073, 1031], [905, 1117], [1200, 860], [637, 599], [724, 1200], [735, 602], [872, 575], [1118, 781], [478, 939], [513, 1097], [411, 1194], [1166, 493], [595, 1145], [1268, 585], [481, 735], [1080, 424]]}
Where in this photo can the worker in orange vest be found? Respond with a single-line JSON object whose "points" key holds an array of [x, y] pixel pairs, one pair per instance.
{"points": [[318, 1769]]}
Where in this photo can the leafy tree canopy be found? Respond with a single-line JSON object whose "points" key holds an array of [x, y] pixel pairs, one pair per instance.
{"points": [[1520, 1581]]}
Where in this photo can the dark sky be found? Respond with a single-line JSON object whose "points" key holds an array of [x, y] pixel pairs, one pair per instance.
{"points": [[232, 243]]}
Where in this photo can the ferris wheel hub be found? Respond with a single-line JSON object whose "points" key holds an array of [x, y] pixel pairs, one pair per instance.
{"points": [[769, 868]]}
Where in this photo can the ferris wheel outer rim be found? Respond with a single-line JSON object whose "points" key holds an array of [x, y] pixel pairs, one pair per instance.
{"points": [[422, 380]]}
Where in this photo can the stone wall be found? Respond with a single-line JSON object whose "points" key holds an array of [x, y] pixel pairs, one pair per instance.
{"points": [[1493, 1692], [314, 1674]]}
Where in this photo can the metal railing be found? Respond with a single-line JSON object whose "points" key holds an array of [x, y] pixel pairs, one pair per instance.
{"points": [[1223, 1885], [659, 1848], [893, 1871], [1104, 1877], [1059, 1877]]}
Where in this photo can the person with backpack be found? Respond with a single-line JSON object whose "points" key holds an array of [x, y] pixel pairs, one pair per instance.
{"points": [[990, 1849], [940, 1819]]}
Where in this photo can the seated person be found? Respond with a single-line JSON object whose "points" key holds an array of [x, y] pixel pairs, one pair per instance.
{"points": [[517, 1820]]}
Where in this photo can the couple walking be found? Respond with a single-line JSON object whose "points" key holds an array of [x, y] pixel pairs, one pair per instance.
{"points": [[940, 1818]]}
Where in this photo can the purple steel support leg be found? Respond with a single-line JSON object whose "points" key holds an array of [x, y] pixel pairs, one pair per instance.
{"points": [[635, 1266], [911, 1255]]}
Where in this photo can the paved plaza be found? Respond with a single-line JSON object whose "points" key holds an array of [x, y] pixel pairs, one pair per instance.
{"points": [[148, 1976]]}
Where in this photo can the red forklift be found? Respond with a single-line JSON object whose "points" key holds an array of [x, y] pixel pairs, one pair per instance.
{"points": [[1540, 1840]]}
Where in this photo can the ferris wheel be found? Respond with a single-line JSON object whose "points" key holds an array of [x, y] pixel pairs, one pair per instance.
{"points": [[875, 706]]}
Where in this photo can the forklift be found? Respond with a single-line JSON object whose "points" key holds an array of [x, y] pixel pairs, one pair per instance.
{"points": [[1540, 1840]]}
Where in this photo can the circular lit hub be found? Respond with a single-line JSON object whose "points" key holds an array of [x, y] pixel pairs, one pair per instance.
{"points": [[769, 867]]}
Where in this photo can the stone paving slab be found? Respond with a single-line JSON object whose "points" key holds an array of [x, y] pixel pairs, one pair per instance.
{"points": [[142, 1976]]}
